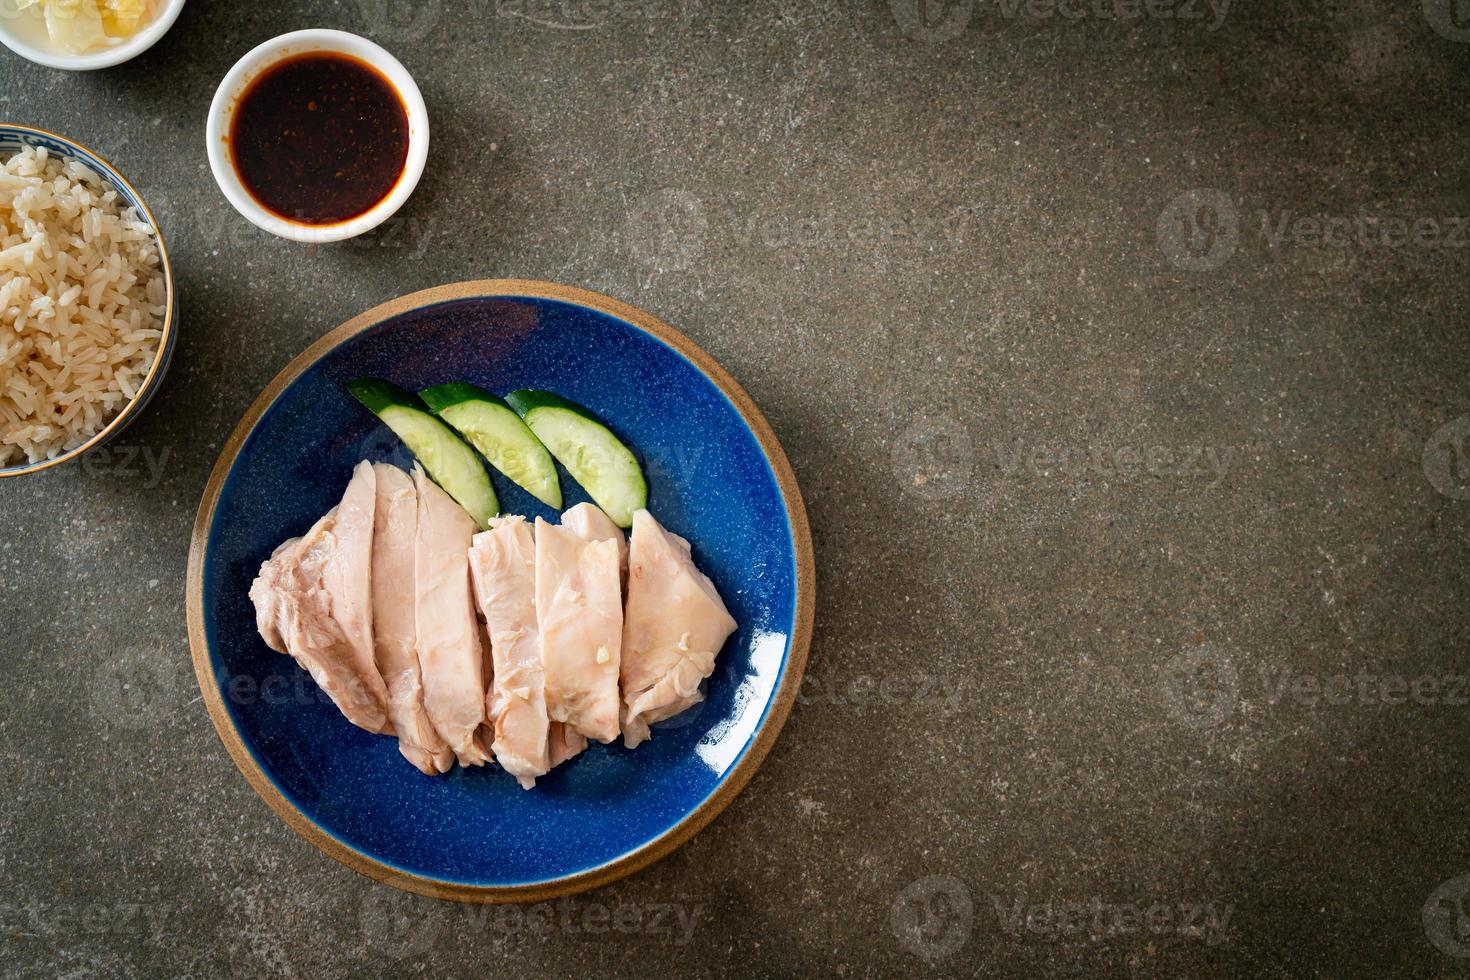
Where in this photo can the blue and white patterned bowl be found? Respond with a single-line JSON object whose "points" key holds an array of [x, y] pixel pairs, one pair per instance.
{"points": [[14, 138], [716, 475]]}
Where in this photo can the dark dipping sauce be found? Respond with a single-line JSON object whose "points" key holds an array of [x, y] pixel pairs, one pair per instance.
{"points": [[320, 138]]}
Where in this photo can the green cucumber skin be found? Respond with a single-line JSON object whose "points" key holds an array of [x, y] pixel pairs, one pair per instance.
{"points": [[628, 493], [380, 396], [536, 474], [527, 400], [377, 394], [440, 397]]}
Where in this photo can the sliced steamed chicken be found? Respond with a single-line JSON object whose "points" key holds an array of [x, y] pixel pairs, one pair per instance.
{"points": [[580, 610], [563, 742], [394, 633], [348, 576], [588, 522], [503, 570], [448, 631], [313, 600], [674, 626]]}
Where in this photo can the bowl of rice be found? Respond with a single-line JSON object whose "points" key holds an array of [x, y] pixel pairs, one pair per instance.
{"points": [[88, 313]]}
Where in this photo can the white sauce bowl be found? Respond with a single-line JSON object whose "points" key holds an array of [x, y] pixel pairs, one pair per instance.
{"points": [[248, 68]]}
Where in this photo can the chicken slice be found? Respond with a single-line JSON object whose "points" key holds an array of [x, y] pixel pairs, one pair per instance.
{"points": [[588, 522], [564, 742], [503, 570], [448, 631], [349, 576], [579, 608], [394, 633], [674, 627], [313, 600]]}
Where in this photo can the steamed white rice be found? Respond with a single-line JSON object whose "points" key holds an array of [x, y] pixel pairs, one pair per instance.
{"points": [[81, 305]]}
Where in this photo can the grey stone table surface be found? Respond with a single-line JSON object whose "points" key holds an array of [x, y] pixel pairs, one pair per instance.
{"points": [[1120, 349]]}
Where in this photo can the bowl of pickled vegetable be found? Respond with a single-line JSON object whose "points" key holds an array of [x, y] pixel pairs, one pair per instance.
{"points": [[80, 35]]}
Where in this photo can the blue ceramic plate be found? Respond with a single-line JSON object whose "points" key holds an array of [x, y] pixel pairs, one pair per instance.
{"points": [[716, 476]]}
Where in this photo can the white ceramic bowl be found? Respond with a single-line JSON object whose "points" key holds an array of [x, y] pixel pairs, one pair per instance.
{"points": [[25, 34], [222, 113]]}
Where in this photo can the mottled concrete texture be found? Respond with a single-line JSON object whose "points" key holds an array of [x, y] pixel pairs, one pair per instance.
{"points": [[1140, 504]]}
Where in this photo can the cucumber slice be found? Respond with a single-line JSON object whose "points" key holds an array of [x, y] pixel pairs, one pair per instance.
{"points": [[452, 464], [493, 427], [589, 451]]}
